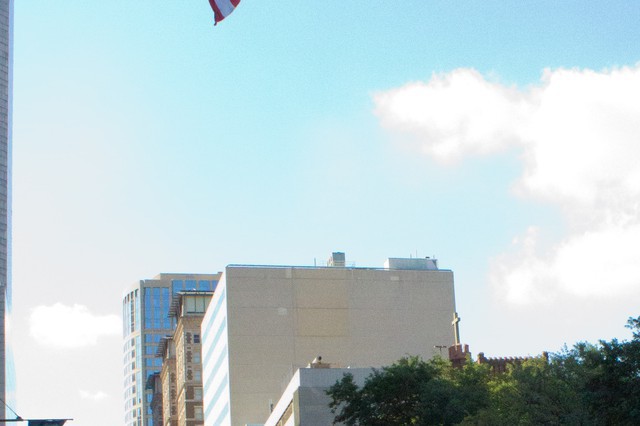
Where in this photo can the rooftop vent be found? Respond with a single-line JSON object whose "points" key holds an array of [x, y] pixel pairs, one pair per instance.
{"points": [[317, 363], [336, 260], [415, 263]]}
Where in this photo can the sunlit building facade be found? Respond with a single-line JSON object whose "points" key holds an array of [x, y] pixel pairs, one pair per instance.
{"points": [[266, 322], [146, 321], [169, 399], [183, 354], [7, 376]]}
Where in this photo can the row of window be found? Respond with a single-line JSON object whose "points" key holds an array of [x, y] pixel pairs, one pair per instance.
{"points": [[196, 304], [131, 316], [153, 362], [153, 337], [202, 285], [157, 323], [156, 307]]}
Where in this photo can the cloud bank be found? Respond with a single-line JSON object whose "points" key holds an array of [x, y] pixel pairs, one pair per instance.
{"points": [[579, 134], [74, 326]]}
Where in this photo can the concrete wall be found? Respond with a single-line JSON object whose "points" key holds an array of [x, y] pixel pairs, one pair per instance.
{"points": [[280, 318], [189, 369], [305, 402]]}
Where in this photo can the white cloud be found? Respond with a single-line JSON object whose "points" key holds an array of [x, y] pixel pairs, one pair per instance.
{"points": [[579, 133], [93, 396], [455, 114], [71, 326]]}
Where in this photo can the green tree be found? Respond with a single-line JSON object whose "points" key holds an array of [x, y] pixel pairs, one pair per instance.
{"points": [[411, 392], [612, 378], [531, 393], [455, 393], [590, 384], [390, 396]]}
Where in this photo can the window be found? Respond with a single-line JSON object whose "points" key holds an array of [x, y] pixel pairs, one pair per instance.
{"points": [[198, 413], [177, 285], [196, 304], [196, 338], [197, 394], [191, 305]]}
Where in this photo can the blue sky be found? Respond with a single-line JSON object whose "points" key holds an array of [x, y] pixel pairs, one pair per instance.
{"points": [[146, 140]]}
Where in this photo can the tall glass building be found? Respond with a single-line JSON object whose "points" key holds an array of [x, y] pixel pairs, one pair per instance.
{"points": [[7, 381], [146, 320]]}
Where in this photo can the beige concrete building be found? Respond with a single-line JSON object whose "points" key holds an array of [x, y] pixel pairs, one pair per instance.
{"points": [[182, 361], [266, 322], [168, 404], [305, 401]]}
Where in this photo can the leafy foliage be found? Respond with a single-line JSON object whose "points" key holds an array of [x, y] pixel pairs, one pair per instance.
{"points": [[411, 392], [612, 378], [590, 384]]}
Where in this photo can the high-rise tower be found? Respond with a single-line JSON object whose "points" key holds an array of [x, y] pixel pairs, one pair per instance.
{"points": [[146, 320], [7, 382]]}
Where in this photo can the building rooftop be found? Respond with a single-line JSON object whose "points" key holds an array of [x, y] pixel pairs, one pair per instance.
{"points": [[338, 261], [174, 309]]}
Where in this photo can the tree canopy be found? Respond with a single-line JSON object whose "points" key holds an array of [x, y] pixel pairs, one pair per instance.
{"points": [[589, 384]]}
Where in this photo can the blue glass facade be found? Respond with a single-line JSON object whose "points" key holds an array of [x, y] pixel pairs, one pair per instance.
{"points": [[156, 306], [185, 285], [146, 321]]}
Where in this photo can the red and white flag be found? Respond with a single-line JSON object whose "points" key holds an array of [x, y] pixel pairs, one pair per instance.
{"points": [[223, 8]]}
